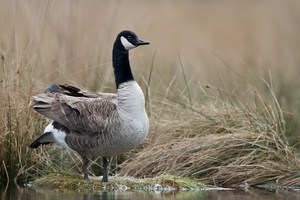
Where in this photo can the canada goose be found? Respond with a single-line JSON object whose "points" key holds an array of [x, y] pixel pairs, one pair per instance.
{"points": [[102, 124]]}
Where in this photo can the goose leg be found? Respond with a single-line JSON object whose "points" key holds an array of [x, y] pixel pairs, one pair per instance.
{"points": [[105, 169], [85, 162]]}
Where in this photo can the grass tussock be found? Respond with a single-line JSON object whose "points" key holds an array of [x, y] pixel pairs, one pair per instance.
{"points": [[223, 142]]}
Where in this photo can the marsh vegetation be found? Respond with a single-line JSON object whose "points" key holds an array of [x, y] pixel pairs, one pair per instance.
{"points": [[220, 80]]}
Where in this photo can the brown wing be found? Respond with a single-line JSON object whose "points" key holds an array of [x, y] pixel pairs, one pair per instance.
{"points": [[77, 92], [81, 114]]}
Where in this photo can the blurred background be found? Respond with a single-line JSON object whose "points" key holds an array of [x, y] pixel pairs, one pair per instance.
{"points": [[229, 44]]}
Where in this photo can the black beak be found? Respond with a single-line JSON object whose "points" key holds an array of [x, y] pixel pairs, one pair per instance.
{"points": [[141, 42]]}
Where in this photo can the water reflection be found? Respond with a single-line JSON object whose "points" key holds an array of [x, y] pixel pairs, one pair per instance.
{"points": [[27, 193], [13, 193]]}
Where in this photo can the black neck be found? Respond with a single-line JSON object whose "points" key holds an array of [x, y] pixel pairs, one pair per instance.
{"points": [[121, 65]]}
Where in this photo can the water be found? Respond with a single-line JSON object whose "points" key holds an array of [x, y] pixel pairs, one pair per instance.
{"points": [[20, 193]]}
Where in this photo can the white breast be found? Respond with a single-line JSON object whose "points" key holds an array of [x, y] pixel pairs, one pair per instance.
{"points": [[131, 109], [131, 99]]}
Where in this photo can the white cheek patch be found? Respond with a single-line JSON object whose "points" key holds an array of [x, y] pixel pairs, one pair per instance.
{"points": [[127, 45]]}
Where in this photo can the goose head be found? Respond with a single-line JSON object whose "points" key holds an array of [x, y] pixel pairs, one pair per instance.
{"points": [[125, 41], [128, 40]]}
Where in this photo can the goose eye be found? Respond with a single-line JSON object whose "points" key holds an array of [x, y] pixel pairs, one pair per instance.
{"points": [[129, 37]]}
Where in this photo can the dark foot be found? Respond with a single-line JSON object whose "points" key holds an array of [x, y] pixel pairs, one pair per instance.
{"points": [[105, 169], [85, 162]]}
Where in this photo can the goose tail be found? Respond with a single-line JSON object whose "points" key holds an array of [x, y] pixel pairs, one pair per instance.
{"points": [[42, 102], [46, 138]]}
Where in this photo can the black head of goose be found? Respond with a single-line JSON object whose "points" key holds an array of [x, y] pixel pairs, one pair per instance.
{"points": [[102, 124], [125, 41]]}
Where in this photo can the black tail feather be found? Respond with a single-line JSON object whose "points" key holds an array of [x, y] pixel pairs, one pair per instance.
{"points": [[65, 89], [71, 90], [46, 138]]}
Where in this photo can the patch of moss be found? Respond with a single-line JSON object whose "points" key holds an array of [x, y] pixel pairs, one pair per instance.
{"points": [[76, 182]]}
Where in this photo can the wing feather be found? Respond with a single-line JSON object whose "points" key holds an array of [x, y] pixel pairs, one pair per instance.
{"points": [[85, 113], [77, 92]]}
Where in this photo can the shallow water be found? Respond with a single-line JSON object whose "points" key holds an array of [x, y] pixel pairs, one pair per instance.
{"points": [[12, 193]]}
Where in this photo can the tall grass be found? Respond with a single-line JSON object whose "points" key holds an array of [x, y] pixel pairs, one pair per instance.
{"points": [[18, 122], [222, 141], [209, 90]]}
